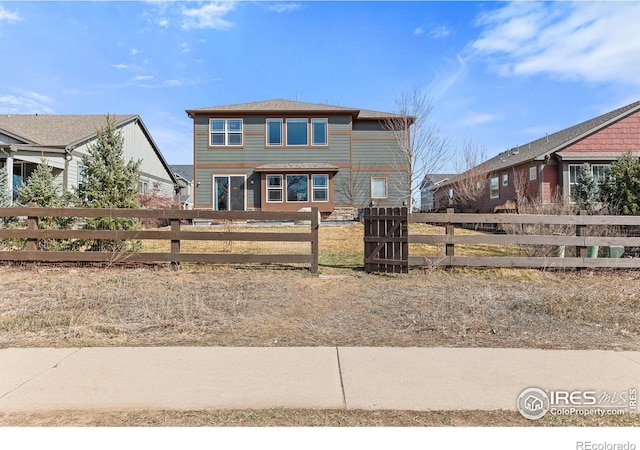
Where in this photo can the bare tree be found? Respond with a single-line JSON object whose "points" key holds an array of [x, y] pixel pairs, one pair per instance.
{"points": [[421, 148], [472, 182]]}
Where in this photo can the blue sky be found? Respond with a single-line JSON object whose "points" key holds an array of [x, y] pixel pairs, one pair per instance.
{"points": [[501, 74]]}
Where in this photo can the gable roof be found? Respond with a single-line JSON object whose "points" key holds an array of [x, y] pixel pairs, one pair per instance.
{"points": [[57, 130], [68, 131], [538, 149], [290, 106], [436, 179], [185, 171]]}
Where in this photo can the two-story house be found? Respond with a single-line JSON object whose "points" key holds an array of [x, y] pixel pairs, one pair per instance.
{"points": [[281, 155]]}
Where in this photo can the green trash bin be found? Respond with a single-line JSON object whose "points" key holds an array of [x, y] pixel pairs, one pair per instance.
{"points": [[592, 251], [616, 251]]}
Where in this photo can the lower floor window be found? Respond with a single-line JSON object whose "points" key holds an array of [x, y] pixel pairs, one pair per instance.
{"points": [[320, 186], [379, 187], [297, 188], [494, 188], [274, 188]]}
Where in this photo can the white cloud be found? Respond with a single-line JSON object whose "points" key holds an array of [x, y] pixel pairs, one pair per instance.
{"points": [[210, 15], [593, 42], [26, 102], [418, 31], [163, 22], [9, 16], [439, 32], [285, 7], [143, 77], [134, 52], [478, 118], [120, 66]]}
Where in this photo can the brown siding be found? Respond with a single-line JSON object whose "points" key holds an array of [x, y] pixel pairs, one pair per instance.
{"points": [[621, 136]]}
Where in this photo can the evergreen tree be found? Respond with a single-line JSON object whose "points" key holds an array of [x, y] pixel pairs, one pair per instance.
{"points": [[620, 188], [40, 188], [109, 182], [586, 191]]}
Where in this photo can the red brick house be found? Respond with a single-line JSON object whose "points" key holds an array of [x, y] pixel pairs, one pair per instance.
{"points": [[547, 168]]}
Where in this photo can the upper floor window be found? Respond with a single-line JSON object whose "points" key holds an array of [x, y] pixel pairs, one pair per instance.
{"points": [[225, 132], [274, 131], [297, 132], [319, 131]]}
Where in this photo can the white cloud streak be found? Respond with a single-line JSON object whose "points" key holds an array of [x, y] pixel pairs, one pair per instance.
{"points": [[210, 15], [9, 16], [285, 7], [592, 42], [439, 32]]}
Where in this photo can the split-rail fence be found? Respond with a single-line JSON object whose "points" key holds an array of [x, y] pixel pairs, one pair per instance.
{"points": [[175, 233], [387, 239]]}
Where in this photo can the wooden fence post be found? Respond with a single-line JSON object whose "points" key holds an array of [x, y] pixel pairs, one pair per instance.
{"points": [[581, 230], [175, 243], [449, 231], [314, 238], [32, 224]]}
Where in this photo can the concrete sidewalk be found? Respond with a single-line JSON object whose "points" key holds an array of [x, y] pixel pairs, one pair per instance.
{"points": [[189, 378]]}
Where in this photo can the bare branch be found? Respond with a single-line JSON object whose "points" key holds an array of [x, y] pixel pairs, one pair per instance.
{"points": [[472, 182], [422, 148]]}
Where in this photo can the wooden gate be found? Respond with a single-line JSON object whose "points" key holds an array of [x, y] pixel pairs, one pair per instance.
{"points": [[386, 244]]}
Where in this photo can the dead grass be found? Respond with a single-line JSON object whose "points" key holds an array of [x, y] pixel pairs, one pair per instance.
{"points": [[303, 418], [203, 306]]}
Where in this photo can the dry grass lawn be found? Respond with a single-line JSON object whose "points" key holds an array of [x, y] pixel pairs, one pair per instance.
{"points": [[63, 306]]}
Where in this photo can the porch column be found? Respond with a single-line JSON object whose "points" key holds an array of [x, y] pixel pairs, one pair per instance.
{"points": [[9, 166]]}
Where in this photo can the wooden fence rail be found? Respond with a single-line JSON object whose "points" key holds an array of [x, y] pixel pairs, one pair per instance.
{"points": [[580, 224], [175, 234]]}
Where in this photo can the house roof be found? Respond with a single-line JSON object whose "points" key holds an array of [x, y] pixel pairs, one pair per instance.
{"points": [[68, 131], [289, 106], [436, 178], [183, 170], [56, 130], [538, 149]]}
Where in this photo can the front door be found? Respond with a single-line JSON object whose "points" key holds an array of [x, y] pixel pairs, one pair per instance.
{"points": [[229, 192]]}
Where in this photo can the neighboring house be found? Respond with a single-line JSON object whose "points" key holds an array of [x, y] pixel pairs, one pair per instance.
{"points": [[547, 168], [428, 186], [184, 176], [63, 140], [282, 155]]}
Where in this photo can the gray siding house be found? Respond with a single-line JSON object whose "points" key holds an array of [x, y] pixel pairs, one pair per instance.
{"points": [[64, 139], [281, 155]]}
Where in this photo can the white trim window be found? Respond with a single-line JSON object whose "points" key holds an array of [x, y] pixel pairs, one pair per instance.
{"points": [[533, 173], [379, 187], [225, 132], [505, 179], [298, 132], [320, 188], [319, 132], [597, 172], [298, 188], [274, 189], [494, 187], [274, 132]]}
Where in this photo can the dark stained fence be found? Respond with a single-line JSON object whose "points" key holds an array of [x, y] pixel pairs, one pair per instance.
{"points": [[387, 240], [175, 234], [386, 247]]}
